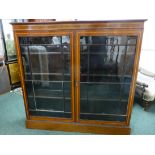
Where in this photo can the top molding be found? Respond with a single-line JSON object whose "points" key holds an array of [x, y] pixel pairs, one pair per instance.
{"points": [[82, 21], [78, 25]]}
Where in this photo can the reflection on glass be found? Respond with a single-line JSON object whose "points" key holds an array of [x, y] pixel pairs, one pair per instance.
{"points": [[95, 91], [132, 40], [106, 71], [46, 62], [50, 40]]}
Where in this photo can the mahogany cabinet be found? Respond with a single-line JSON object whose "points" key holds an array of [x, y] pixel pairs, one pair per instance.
{"points": [[79, 75]]}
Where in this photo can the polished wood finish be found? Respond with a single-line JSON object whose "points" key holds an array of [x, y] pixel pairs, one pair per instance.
{"points": [[41, 20], [134, 77], [75, 29], [22, 69], [78, 25], [21, 75], [133, 84], [77, 127]]}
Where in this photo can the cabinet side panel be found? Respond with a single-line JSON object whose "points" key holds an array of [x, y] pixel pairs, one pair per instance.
{"points": [[21, 74], [134, 77]]}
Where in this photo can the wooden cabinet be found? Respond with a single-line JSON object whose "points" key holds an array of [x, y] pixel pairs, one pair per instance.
{"points": [[79, 75]]}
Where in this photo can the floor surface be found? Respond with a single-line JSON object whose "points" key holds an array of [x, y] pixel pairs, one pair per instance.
{"points": [[12, 119]]}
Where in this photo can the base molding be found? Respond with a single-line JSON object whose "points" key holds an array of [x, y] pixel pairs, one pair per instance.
{"points": [[77, 127]]}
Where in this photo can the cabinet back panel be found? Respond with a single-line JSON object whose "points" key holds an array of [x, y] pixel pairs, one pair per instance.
{"points": [[106, 66]]}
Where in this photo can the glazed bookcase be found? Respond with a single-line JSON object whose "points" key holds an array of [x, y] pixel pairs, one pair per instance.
{"points": [[79, 75]]}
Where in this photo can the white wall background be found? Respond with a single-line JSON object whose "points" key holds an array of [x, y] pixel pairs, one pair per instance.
{"points": [[90, 10], [85, 10]]}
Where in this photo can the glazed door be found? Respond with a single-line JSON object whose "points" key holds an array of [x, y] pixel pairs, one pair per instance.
{"points": [[104, 75], [47, 65]]}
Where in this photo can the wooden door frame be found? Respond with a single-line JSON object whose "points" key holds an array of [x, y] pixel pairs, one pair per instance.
{"points": [[21, 71], [116, 32]]}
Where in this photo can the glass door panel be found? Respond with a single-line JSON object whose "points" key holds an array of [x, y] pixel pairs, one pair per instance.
{"points": [[106, 65], [47, 62]]}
